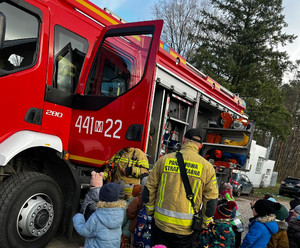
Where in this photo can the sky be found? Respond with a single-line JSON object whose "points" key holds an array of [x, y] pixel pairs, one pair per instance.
{"points": [[141, 10]]}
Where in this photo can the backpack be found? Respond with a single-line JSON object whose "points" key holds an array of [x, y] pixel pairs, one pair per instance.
{"points": [[142, 230]]}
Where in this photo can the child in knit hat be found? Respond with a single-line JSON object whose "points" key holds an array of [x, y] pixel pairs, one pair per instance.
{"points": [[293, 203], [263, 224], [104, 227], [227, 193], [219, 233], [280, 239], [293, 230]]}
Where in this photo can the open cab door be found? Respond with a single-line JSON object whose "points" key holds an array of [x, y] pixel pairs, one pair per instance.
{"points": [[111, 109]]}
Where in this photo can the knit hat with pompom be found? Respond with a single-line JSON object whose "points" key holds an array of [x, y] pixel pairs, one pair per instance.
{"points": [[224, 211], [265, 207]]}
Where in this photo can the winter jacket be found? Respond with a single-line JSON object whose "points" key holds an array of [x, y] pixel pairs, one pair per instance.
{"points": [[291, 212], [219, 234], [280, 239], [260, 231], [132, 159], [132, 211], [226, 194], [104, 227], [293, 232], [142, 230], [90, 201], [165, 196]]}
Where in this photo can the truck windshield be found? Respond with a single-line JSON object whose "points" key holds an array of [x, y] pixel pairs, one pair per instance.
{"points": [[20, 40], [119, 65]]}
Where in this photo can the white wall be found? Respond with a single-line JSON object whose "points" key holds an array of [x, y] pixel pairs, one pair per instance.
{"points": [[262, 178]]}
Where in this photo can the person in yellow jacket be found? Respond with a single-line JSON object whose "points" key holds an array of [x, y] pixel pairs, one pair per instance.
{"points": [[165, 197], [129, 165]]}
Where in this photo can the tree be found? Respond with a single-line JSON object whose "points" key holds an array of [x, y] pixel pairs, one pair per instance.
{"points": [[181, 23], [287, 153], [243, 56]]}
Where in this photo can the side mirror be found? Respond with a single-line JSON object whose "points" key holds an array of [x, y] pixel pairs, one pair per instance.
{"points": [[2, 29]]}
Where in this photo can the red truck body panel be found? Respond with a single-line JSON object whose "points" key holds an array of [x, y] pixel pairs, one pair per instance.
{"points": [[114, 119]]}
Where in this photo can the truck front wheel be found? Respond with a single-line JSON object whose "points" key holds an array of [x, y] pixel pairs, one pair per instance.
{"points": [[31, 206]]}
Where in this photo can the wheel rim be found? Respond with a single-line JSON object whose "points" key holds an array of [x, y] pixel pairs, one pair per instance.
{"points": [[35, 217]]}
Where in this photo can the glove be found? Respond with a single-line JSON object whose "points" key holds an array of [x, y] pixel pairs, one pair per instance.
{"points": [[96, 179]]}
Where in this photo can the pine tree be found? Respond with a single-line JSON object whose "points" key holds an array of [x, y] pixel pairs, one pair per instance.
{"points": [[242, 54]]}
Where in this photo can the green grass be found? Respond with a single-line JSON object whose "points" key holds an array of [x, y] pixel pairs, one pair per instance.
{"points": [[260, 192]]}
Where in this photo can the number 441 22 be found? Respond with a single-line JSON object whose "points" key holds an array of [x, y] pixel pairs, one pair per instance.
{"points": [[89, 125]]}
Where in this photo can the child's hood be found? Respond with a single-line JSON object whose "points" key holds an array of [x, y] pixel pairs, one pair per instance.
{"points": [[111, 214], [282, 225], [269, 222]]}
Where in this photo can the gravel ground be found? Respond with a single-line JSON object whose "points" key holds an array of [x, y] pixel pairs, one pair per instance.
{"points": [[244, 209]]}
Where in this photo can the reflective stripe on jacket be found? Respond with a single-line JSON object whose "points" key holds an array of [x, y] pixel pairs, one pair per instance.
{"points": [[167, 197], [130, 157]]}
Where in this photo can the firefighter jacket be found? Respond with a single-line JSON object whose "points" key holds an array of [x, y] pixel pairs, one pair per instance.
{"points": [[167, 199], [133, 160]]}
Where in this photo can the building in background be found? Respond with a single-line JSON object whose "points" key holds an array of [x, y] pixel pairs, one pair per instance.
{"points": [[260, 168]]}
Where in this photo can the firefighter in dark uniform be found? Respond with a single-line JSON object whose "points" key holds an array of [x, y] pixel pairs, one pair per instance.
{"points": [[129, 165]]}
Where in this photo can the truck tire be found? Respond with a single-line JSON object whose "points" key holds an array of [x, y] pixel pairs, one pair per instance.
{"points": [[31, 206]]}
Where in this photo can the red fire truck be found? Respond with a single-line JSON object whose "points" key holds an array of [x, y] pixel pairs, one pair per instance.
{"points": [[77, 86]]}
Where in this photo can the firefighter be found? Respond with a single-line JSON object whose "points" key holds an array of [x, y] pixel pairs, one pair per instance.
{"points": [[165, 197], [129, 165]]}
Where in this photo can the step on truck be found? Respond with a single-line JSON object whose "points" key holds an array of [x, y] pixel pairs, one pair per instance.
{"points": [[78, 85]]}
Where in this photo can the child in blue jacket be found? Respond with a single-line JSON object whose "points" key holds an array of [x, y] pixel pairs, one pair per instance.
{"points": [[103, 229], [263, 224]]}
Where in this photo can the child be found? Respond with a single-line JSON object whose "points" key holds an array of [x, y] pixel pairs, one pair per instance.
{"points": [[104, 227], [219, 233], [293, 203], [227, 192], [227, 195], [126, 234], [280, 239], [142, 224], [263, 224], [293, 230], [142, 231], [134, 207]]}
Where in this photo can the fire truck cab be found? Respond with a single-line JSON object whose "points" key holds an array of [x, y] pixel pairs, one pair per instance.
{"points": [[77, 86]]}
